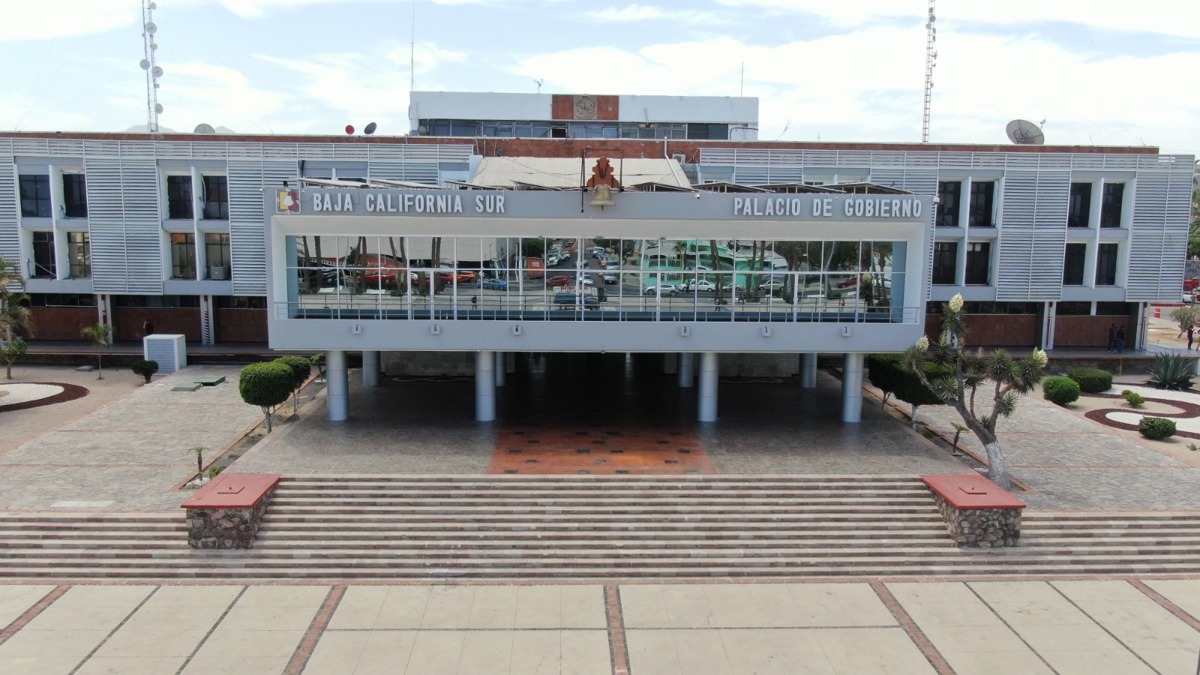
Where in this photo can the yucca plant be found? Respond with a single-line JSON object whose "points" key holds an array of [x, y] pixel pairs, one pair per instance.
{"points": [[1172, 371]]}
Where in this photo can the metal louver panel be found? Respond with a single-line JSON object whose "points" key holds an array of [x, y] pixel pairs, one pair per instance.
{"points": [[125, 225], [250, 183], [1033, 238], [420, 172], [1158, 237], [10, 235]]}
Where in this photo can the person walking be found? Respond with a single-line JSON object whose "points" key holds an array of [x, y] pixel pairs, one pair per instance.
{"points": [[1120, 340], [147, 328], [1112, 337], [1191, 336]]}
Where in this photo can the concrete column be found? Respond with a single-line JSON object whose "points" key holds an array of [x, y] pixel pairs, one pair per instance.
{"points": [[808, 370], [686, 370], [852, 382], [708, 387], [485, 386], [337, 385], [370, 374], [500, 368]]}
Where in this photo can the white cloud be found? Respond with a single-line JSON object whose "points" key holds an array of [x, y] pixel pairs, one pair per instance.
{"points": [[364, 87], [635, 13], [219, 96], [257, 9], [27, 21], [1150, 16]]}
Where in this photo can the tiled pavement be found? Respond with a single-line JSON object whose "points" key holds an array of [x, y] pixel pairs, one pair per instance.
{"points": [[103, 461], [975, 627]]}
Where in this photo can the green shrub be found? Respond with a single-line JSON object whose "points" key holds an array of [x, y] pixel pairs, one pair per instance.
{"points": [[144, 368], [266, 385], [301, 368], [1133, 398], [1091, 380], [1060, 390], [1156, 428], [887, 372], [1171, 371]]}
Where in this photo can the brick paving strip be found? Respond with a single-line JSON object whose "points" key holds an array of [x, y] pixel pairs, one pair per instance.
{"points": [[1166, 604], [33, 612], [910, 627], [618, 648], [308, 644]]}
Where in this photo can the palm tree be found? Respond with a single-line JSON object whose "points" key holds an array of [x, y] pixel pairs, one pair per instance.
{"points": [[14, 313], [98, 334]]}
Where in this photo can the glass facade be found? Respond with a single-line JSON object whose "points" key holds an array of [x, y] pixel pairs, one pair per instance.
{"points": [[595, 278]]}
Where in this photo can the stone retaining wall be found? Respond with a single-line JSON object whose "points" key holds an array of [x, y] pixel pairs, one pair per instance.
{"points": [[224, 527], [981, 528]]}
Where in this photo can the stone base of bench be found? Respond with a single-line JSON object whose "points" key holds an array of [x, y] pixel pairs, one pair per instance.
{"points": [[977, 512], [981, 528], [226, 513], [224, 528]]}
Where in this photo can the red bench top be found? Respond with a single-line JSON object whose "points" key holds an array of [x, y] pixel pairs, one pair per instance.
{"points": [[971, 491], [233, 491]]}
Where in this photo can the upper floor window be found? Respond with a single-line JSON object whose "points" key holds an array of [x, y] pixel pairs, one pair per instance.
{"points": [[216, 198], [35, 196], [216, 253], [183, 255], [74, 195], [179, 197], [979, 263], [949, 197], [1080, 211], [945, 260], [1106, 265], [1111, 203], [983, 194], [79, 254], [44, 263], [1073, 263]]}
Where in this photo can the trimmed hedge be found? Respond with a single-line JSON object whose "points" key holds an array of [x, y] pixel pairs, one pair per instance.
{"points": [[144, 368], [1156, 428], [1133, 398], [1060, 390], [1091, 380], [886, 371]]}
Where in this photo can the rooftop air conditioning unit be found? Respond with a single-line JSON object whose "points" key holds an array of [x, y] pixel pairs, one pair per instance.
{"points": [[218, 272], [679, 157]]}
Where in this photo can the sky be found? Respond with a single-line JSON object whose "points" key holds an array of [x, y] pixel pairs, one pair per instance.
{"points": [[1098, 72]]}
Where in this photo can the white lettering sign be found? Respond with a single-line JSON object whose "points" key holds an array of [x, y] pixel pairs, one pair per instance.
{"points": [[908, 208]]}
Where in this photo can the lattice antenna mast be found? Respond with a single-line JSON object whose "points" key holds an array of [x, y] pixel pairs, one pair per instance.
{"points": [[930, 62], [153, 72]]}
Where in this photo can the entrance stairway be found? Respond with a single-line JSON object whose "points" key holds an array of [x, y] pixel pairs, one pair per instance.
{"points": [[594, 527]]}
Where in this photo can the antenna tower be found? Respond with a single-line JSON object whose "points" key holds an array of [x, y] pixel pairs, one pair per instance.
{"points": [[153, 72], [930, 62]]}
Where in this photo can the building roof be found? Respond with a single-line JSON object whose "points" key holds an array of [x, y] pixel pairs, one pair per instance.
{"points": [[566, 173]]}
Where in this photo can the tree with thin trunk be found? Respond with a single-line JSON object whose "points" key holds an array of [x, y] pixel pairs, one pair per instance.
{"points": [[15, 317], [1007, 378], [98, 334]]}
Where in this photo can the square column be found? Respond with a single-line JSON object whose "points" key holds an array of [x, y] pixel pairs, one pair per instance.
{"points": [[337, 385]]}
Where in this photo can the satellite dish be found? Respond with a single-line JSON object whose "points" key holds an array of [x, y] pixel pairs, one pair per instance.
{"points": [[1024, 132], [204, 128], [370, 129]]}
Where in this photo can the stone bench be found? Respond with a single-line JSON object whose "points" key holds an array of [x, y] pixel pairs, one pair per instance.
{"points": [[977, 511], [226, 512]]}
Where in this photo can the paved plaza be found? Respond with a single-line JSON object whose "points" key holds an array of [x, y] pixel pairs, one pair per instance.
{"points": [[128, 447], [975, 627]]}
